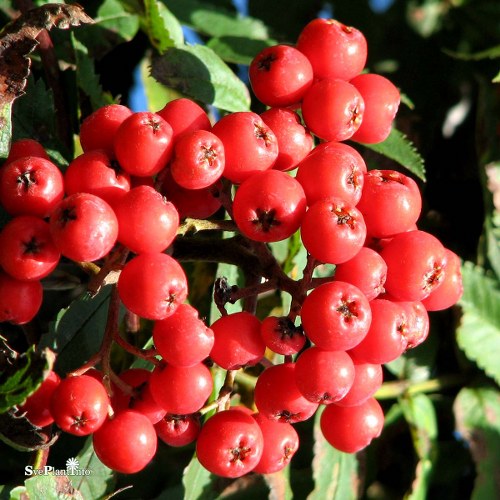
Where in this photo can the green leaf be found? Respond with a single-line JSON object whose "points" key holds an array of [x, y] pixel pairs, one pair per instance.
{"points": [[199, 73], [207, 19], [477, 417], [238, 49], [420, 414], [198, 482], [491, 53], [23, 376], [279, 484], [5, 129], [163, 28], [478, 334], [335, 473], [19, 433], [51, 487], [86, 77], [399, 148], [101, 479]]}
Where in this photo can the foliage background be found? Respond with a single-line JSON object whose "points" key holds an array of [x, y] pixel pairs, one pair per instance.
{"points": [[442, 433]]}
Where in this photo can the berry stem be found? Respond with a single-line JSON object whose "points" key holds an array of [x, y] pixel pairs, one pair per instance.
{"points": [[195, 225]]}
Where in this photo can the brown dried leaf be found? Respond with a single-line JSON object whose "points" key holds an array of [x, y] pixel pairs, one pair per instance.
{"points": [[18, 40]]}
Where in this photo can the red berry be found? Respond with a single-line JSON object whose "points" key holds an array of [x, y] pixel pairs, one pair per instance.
{"points": [[198, 159], [352, 428], [30, 186], [269, 206], [280, 75], [28, 251], [98, 129], [84, 227], [336, 316], [152, 285], [178, 430], [20, 300], [237, 341], [333, 110], [126, 443], [143, 144], [79, 405], [183, 339], [294, 141], [381, 99], [333, 231], [25, 147], [282, 336], [147, 222], [230, 444], [417, 323], [250, 146], [334, 49]]}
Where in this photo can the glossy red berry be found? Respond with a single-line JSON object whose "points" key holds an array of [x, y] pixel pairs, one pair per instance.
{"points": [[237, 341], [26, 147], [269, 206], [183, 339], [152, 285], [30, 186], [143, 144], [334, 49], [381, 98], [280, 75], [36, 407], [278, 398], [126, 443], [282, 336], [178, 430], [417, 323], [294, 141], [79, 405], [230, 444], [336, 316], [198, 159], [147, 222], [20, 300], [28, 251], [250, 146], [333, 231], [352, 428], [84, 227], [333, 109]]}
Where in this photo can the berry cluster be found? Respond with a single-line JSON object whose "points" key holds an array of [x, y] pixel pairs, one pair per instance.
{"points": [[126, 199]]}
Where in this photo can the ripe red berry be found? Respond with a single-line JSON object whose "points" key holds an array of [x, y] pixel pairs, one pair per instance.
{"points": [[230, 444], [96, 173], [79, 405], [333, 109], [25, 147], [143, 144], [352, 428], [250, 146], [281, 442], [147, 222], [416, 262], [184, 115], [334, 49], [282, 336], [20, 300], [30, 186], [152, 285], [336, 316], [333, 231], [183, 339], [98, 130], [28, 251], [269, 206], [381, 98], [36, 407], [390, 203], [280, 75], [332, 169], [417, 322], [178, 430], [126, 443], [181, 390], [294, 141], [198, 159], [84, 227], [237, 341], [278, 398], [324, 376]]}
